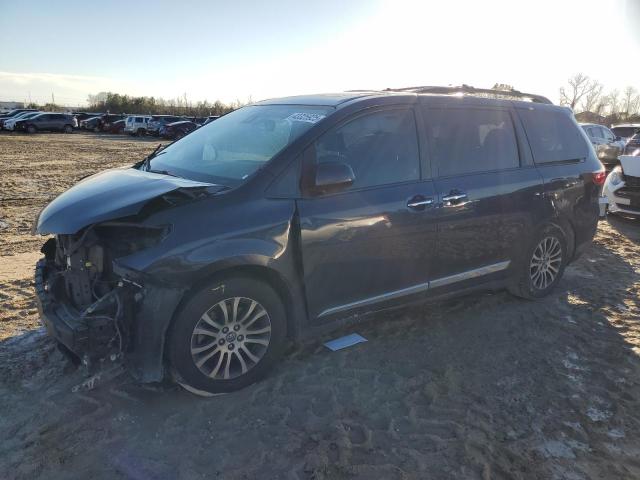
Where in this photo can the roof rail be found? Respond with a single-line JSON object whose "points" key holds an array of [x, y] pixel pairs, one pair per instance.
{"points": [[467, 89]]}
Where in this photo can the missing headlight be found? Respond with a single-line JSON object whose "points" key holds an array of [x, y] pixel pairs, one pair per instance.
{"points": [[122, 238]]}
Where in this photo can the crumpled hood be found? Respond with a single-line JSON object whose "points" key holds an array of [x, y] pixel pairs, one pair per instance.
{"points": [[106, 196], [630, 165]]}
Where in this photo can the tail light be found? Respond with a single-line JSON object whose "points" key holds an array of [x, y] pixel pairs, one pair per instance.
{"points": [[599, 177]]}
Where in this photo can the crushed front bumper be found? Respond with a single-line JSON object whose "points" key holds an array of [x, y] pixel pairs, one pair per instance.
{"points": [[88, 340], [147, 311]]}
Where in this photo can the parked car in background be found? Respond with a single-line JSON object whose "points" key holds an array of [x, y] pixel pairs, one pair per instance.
{"points": [[14, 113], [89, 123], [116, 127], [50, 122], [9, 123], [136, 125], [158, 121], [625, 130], [632, 145], [105, 121], [343, 214], [608, 147], [178, 129], [80, 116], [622, 187]]}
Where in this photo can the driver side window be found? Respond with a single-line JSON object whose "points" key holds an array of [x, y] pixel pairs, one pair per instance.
{"points": [[381, 148]]}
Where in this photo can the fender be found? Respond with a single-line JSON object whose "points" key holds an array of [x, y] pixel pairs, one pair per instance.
{"points": [[168, 283]]}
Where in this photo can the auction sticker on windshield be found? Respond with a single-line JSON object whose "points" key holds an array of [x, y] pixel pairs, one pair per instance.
{"points": [[305, 117]]}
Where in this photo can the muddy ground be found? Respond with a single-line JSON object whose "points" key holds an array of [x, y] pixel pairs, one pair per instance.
{"points": [[485, 387]]}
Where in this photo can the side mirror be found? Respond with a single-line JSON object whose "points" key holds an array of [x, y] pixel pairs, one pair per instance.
{"points": [[333, 177]]}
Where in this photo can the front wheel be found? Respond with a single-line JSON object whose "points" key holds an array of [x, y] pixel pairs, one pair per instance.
{"points": [[543, 266], [227, 336]]}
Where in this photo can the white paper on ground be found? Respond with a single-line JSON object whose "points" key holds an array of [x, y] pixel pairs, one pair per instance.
{"points": [[344, 342]]}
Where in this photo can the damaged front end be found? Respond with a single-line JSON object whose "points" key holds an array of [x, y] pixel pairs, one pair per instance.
{"points": [[90, 299], [88, 307]]}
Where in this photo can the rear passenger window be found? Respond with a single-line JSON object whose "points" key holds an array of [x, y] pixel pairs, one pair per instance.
{"points": [[553, 136], [465, 141], [381, 148]]}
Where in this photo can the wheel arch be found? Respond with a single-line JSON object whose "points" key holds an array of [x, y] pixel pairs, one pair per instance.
{"points": [[267, 275], [565, 226], [263, 273]]}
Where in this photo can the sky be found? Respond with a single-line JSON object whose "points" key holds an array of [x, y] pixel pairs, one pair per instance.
{"points": [[252, 50]]}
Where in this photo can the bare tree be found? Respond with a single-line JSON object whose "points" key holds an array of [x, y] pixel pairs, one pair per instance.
{"points": [[629, 98], [579, 86], [592, 99], [602, 104], [614, 101]]}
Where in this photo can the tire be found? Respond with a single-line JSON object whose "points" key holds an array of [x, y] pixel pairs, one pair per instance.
{"points": [[96, 129], [68, 129], [140, 132], [216, 360], [538, 278], [31, 129]]}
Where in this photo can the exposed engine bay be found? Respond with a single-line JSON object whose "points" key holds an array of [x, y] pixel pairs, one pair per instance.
{"points": [[79, 283]]}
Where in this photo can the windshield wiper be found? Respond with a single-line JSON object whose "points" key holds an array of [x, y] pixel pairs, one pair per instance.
{"points": [[146, 164], [163, 172]]}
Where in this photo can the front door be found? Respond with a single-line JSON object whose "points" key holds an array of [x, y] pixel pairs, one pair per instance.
{"points": [[486, 197], [373, 243]]}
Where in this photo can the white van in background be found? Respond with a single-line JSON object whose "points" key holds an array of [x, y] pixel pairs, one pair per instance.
{"points": [[136, 125]]}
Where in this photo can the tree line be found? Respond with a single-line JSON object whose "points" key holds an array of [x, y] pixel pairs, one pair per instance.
{"points": [[589, 99], [117, 103]]}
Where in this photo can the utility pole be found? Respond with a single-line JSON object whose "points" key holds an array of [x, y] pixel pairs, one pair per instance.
{"points": [[53, 99]]}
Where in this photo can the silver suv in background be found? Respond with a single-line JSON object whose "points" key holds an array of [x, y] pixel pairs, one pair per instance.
{"points": [[136, 125], [48, 122], [607, 145]]}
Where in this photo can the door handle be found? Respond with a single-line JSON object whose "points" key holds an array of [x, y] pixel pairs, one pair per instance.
{"points": [[419, 202], [454, 199]]}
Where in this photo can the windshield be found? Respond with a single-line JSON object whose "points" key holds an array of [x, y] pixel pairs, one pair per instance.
{"points": [[233, 147]]}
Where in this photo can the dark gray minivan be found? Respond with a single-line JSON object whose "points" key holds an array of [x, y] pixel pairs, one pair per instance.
{"points": [[289, 217]]}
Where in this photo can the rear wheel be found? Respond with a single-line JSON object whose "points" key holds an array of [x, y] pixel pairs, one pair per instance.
{"points": [[68, 129], [543, 266], [227, 336]]}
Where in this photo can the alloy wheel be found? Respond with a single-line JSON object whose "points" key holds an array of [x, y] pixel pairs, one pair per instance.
{"points": [[545, 263], [230, 338]]}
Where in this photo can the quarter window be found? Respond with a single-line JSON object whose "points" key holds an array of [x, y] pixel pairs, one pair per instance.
{"points": [[553, 136], [471, 140], [381, 148]]}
